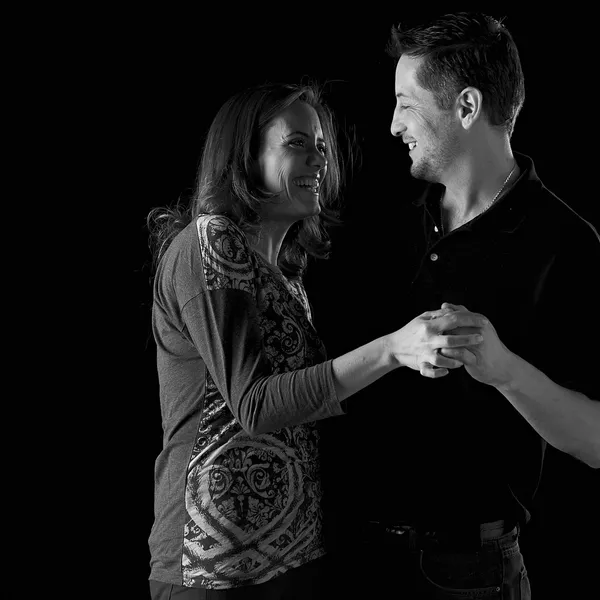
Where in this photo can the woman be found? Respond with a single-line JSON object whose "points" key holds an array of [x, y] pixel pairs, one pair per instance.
{"points": [[243, 374]]}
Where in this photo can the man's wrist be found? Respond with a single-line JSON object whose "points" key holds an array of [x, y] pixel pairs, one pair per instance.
{"points": [[511, 380]]}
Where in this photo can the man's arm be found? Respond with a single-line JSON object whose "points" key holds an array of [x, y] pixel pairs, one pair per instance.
{"points": [[566, 419]]}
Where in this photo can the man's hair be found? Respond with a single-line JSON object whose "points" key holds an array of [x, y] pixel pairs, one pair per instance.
{"points": [[466, 49]]}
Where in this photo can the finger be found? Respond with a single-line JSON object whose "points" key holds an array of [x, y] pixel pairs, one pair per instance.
{"points": [[443, 362], [464, 355], [459, 319], [428, 370], [463, 331], [434, 314], [447, 305], [457, 341]]}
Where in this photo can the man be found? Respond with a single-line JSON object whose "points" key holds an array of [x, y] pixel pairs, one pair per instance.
{"points": [[444, 471]]}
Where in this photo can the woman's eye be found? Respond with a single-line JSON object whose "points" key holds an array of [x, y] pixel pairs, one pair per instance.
{"points": [[301, 143]]}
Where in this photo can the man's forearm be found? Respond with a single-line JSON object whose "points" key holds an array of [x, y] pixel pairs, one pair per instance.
{"points": [[566, 419]]}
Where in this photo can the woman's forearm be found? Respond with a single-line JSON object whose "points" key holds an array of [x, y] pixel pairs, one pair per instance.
{"points": [[272, 402], [361, 367]]}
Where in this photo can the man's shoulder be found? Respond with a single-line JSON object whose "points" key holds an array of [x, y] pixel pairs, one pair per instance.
{"points": [[559, 217]]}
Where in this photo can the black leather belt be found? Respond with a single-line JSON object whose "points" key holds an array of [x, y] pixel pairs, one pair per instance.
{"points": [[466, 537]]}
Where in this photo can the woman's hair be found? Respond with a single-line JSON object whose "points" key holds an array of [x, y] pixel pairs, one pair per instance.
{"points": [[466, 49], [227, 183]]}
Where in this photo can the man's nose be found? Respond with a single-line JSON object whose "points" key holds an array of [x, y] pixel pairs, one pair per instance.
{"points": [[397, 128]]}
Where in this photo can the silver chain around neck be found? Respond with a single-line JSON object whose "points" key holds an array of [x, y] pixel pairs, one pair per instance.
{"points": [[488, 205]]}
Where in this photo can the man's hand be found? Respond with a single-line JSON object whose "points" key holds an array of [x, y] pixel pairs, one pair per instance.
{"points": [[488, 362]]}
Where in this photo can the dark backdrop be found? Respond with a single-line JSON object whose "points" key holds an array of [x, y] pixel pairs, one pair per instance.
{"points": [[169, 74]]}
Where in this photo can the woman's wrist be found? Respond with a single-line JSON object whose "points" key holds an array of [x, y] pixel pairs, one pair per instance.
{"points": [[393, 359]]}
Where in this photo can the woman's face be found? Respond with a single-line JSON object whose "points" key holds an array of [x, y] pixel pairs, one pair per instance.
{"points": [[292, 164]]}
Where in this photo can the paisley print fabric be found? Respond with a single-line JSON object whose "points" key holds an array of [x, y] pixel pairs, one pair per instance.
{"points": [[225, 255], [252, 502]]}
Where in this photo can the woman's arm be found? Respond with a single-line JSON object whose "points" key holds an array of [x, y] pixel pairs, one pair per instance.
{"points": [[415, 345], [223, 322], [224, 327]]}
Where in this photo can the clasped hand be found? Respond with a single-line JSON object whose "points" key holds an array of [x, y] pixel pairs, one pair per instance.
{"points": [[421, 344], [450, 338], [488, 361]]}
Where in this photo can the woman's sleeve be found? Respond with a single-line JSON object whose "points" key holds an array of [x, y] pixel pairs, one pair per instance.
{"points": [[223, 323]]}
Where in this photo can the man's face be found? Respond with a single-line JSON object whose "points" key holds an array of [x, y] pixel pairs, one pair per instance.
{"points": [[431, 133]]}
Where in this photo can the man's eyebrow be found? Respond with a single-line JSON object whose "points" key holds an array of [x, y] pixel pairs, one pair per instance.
{"points": [[303, 134], [401, 95]]}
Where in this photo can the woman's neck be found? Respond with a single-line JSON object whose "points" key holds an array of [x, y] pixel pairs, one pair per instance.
{"points": [[268, 240]]}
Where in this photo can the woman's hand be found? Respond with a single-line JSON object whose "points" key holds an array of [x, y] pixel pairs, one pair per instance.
{"points": [[418, 344]]}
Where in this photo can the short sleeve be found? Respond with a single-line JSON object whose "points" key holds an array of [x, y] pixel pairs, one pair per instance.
{"points": [[563, 322]]}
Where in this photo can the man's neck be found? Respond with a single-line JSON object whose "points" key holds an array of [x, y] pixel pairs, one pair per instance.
{"points": [[474, 184]]}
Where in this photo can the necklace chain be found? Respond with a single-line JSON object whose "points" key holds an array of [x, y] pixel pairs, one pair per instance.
{"points": [[490, 203]]}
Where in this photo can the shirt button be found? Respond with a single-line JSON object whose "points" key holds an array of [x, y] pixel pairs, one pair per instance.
{"points": [[435, 228], [434, 256]]}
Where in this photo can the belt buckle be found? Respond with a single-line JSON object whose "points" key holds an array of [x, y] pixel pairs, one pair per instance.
{"points": [[396, 530]]}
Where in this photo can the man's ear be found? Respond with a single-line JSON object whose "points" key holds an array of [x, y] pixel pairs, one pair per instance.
{"points": [[469, 106]]}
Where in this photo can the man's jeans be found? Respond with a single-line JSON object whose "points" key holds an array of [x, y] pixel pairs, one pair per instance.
{"points": [[408, 567]]}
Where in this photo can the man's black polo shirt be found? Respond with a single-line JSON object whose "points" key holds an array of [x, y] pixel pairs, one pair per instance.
{"points": [[453, 449]]}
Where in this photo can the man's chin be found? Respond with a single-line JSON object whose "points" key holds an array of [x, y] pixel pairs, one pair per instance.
{"points": [[421, 170], [418, 171]]}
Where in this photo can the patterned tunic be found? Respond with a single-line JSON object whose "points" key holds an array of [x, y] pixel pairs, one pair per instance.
{"points": [[243, 377]]}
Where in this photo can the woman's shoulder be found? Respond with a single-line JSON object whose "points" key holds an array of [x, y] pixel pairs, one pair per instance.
{"points": [[226, 255], [218, 225], [220, 234]]}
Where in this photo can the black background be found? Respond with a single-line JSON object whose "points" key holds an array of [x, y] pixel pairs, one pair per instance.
{"points": [[164, 77]]}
